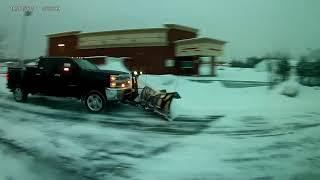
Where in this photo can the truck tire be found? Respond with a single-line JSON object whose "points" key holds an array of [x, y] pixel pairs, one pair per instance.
{"points": [[95, 101], [20, 94]]}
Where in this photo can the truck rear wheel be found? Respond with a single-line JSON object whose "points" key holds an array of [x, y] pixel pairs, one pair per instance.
{"points": [[19, 94], [94, 101]]}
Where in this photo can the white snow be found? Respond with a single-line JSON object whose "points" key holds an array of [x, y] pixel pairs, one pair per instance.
{"points": [[262, 135], [262, 66], [114, 64], [233, 148], [289, 88], [84, 147], [241, 74], [16, 165], [3, 84], [235, 74], [203, 99]]}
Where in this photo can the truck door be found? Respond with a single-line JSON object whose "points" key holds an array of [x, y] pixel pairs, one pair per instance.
{"points": [[68, 82], [45, 77]]}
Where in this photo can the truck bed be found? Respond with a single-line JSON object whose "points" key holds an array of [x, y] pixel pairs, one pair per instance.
{"points": [[20, 76]]}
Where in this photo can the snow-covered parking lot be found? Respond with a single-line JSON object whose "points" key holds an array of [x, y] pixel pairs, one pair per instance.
{"points": [[252, 139]]}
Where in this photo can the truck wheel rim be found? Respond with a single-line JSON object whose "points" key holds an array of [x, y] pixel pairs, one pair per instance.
{"points": [[18, 94], [94, 102]]}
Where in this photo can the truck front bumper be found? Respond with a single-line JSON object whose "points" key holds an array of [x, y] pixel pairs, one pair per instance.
{"points": [[118, 94]]}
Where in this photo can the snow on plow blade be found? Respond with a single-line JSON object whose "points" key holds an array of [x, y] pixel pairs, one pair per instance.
{"points": [[157, 101]]}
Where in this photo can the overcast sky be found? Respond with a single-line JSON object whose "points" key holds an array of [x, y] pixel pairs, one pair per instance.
{"points": [[251, 27]]}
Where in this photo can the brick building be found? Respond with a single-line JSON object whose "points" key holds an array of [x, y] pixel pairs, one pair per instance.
{"points": [[172, 49]]}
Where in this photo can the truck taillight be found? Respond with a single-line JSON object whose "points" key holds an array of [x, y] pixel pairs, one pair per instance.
{"points": [[7, 76]]}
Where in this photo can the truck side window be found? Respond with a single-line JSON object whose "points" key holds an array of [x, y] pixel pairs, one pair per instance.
{"points": [[49, 65]]}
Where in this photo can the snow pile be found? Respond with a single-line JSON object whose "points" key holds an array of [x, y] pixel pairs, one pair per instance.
{"points": [[234, 74], [114, 64], [241, 74], [159, 82], [3, 85], [213, 99], [289, 88], [262, 66]]}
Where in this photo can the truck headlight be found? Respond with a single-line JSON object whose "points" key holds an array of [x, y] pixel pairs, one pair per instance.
{"points": [[113, 78], [113, 85], [113, 81]]}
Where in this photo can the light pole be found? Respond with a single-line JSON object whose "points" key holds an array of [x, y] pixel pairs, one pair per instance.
{"points": [[23, 35]]}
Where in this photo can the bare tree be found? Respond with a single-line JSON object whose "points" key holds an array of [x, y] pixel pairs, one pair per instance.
{"points": [[3, 37], [278, 55], [314, 55]]}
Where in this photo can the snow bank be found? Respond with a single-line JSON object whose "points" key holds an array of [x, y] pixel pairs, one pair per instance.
{"points": [[234, 74], [114, 64], [241, 74], [289, 88], [3, 84], [262, 66], [213, 99], [158, 82]]}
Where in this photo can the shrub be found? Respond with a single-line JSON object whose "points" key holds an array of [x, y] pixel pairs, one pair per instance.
{"points": [[240, 64], [252, 61], [308, 72], [283, 69]]}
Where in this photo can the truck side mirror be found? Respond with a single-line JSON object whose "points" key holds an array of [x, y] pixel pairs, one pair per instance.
{"points": [[66, 67]]}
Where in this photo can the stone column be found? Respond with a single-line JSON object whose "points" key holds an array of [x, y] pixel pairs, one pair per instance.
{"points": [[213, 66]]}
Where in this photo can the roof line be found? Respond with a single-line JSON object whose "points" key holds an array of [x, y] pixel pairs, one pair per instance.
{"points": [[123, 31], [69, 33], [181, 27]]}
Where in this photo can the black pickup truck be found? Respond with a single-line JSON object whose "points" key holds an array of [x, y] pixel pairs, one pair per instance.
{"points": [[69, 77]]}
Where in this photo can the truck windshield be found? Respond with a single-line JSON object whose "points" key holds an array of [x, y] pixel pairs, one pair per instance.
{"points": [[84, 64]]}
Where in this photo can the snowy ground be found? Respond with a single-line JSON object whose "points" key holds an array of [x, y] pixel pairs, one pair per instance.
{"points": [[200, 99], [263, 135], [16, 164], [236, 74]]}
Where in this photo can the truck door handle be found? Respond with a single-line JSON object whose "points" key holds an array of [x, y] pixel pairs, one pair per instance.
{"points": [[38, 74], [56, 75]]}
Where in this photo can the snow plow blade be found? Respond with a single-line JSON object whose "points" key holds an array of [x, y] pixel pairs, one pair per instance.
{"points": [[157, 101]]}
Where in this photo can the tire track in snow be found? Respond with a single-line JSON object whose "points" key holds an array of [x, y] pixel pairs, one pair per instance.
{"points": [[136, 122]]}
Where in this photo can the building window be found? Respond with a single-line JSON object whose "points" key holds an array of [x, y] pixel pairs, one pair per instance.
{"points": [[186, 64], [169, 63]]}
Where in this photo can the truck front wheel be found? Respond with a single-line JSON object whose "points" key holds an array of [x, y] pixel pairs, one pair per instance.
{"points": [[19, 94], [95, 101]]}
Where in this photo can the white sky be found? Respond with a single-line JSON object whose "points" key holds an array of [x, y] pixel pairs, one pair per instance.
{"points": [[252, 27]]}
